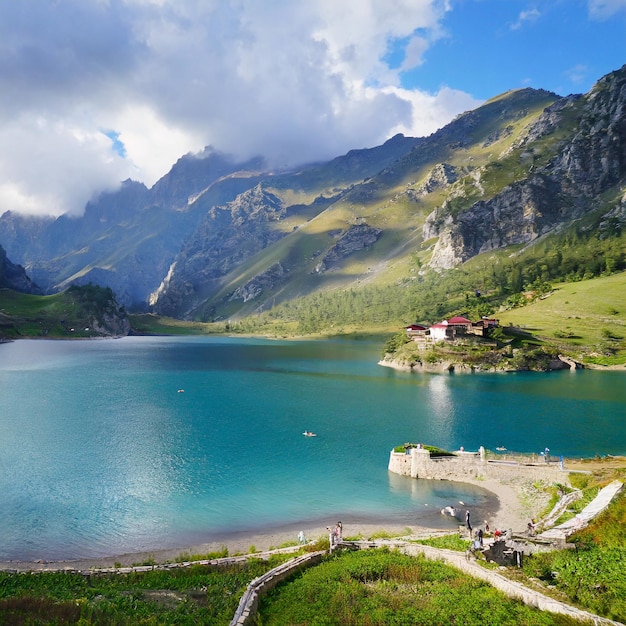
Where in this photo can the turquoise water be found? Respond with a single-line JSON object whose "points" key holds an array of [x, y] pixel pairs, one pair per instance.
{"points": [[100, 454]]}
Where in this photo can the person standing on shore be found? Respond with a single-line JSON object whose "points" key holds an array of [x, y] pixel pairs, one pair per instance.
{"points": [[339, 532], [467, 522]]}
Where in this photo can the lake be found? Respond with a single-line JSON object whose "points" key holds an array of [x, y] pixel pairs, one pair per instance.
{"points": [[103, 453]]}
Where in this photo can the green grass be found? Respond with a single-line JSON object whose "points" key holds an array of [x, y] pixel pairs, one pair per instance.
{"points": [[193, 595], [388, 588], [383, 534], [447, 542], [26, 305], [586, 319], [69, 314], [592, 575], [149, 324], [593, 578]]}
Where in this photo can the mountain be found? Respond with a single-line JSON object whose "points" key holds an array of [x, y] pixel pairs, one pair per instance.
{"points": [[125, 239], [340, 239], [14, 276], [216, 239]]}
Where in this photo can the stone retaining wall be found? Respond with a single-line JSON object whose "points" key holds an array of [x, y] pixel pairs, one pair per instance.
{"points": [[417, 463], [248, 605]]}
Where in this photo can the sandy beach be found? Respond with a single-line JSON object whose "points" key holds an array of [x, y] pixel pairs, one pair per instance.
{"points": [[511, 507]]}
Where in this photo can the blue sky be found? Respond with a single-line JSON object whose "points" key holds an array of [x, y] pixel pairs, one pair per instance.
{"points": [[98, 91], [491, 46]]}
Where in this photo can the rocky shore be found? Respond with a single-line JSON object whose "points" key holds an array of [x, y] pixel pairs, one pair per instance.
{"points": [[442, 366]]}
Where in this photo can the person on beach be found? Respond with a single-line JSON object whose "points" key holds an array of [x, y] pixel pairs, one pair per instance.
{"points": [[331, 536], [338, 532], [467, 522], [301, 538], [480, 537]]}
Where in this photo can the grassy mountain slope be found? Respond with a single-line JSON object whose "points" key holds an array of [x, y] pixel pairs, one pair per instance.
{"points": [[586, 319], [526, 190], [78, 312], [397, 201]]}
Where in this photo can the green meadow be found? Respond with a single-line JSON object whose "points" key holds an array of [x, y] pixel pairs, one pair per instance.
{"points": [[586, 319]]}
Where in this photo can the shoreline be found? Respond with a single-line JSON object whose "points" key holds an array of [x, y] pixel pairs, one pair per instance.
{"points": [[457, 367], [507, 508]]}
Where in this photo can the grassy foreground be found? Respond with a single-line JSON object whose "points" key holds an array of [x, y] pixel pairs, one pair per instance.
{"points": [[379, 587], [194, 595]]}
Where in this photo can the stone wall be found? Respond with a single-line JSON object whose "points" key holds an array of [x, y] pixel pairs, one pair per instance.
{"points": [[246, 613], [470, 466]]}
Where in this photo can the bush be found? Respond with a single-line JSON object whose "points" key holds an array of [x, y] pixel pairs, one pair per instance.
{"points": [[395, 343]]}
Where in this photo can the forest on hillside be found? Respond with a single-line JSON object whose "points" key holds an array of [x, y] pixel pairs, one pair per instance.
{"points": [[488, 283]]}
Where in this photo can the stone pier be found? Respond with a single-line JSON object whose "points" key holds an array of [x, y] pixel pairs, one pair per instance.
{"points": [[471, 466]]}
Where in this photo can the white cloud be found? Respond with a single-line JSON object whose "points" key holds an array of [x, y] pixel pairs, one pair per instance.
{"points": [[51, 165], [577, 73], [151, 144], [294, 81], [432, 111], [415, 50], [525, 17], [604, 9]]}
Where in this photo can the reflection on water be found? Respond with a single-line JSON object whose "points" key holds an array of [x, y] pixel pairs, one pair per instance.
{"points": [[441, 408], [100, 454]]}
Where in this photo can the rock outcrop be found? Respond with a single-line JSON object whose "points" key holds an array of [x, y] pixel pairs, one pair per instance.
{"points": [[442, 175], [585, 165], [227, 237], [356, 238], [14, 276], [269, 279]]}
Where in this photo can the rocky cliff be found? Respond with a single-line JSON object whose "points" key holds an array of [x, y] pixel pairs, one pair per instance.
{"points": [[589, 161], [227, 236], [14, 276], [355, 238]]}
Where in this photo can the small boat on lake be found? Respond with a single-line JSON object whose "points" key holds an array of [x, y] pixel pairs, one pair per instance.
{"points": [[308, 433]]}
